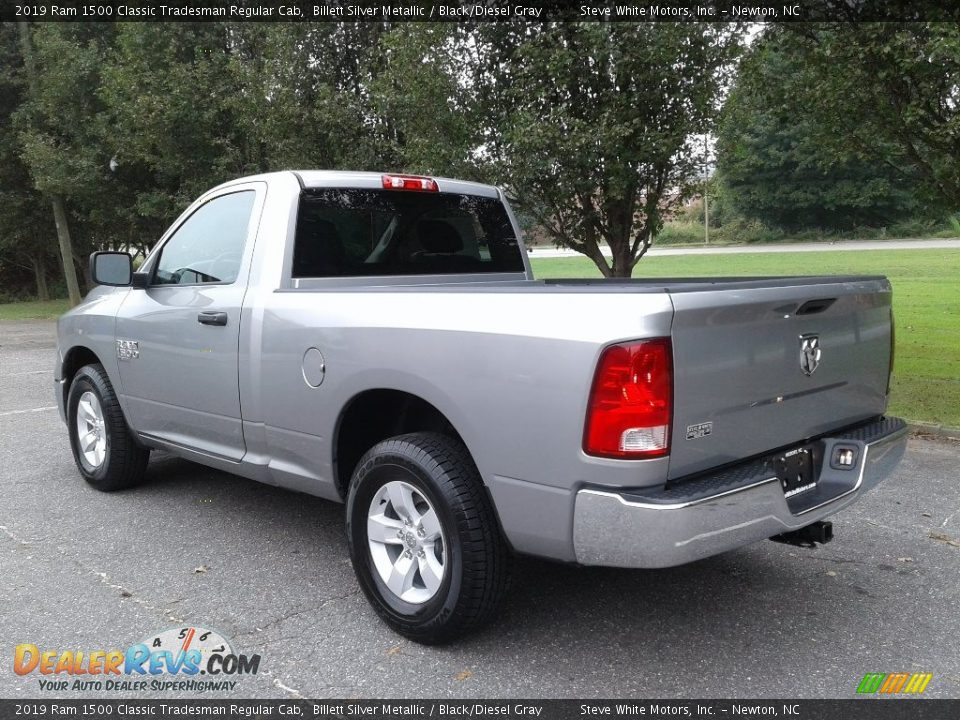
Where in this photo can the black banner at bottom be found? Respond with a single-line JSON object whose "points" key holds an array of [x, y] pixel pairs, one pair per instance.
{"points": [[852, 709]]}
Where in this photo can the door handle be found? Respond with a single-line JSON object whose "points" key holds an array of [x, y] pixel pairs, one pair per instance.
{"points": [[212, 318]]}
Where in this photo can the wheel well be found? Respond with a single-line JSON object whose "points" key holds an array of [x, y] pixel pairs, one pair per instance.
{"points": [[76, 358], [376, 415]]}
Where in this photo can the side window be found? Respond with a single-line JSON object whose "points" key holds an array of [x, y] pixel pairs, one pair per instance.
{"points": [[208, 247]]}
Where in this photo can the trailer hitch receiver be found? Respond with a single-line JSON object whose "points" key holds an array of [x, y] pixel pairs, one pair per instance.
{"points": [[820, 532]]}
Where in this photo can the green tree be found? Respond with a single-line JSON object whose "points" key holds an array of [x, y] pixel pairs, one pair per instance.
{"points": [[307, 101], [883, 90], [367, 96], [198, 104], [56, 121], [174, 105], [293, 113], [426, 115], [26, 224], [592, 124], [774, 166]]}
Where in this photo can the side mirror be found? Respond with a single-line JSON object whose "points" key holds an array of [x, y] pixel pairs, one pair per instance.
{"points": [[111, 268]]}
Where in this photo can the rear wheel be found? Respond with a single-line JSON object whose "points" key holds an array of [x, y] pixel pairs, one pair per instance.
{"points": [[423, 538], [104, 449]]}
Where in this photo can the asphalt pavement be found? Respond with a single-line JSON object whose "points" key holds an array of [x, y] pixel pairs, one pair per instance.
{"points": [[268, 568]]}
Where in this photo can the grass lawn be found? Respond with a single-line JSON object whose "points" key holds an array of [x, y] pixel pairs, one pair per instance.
{"points": [[926, 301], [33, 310]]}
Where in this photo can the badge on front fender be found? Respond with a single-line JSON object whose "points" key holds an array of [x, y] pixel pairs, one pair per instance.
{"points": [[128, 349]]}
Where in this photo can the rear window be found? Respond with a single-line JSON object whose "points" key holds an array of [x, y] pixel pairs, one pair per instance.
{"points": [[353, 232]]}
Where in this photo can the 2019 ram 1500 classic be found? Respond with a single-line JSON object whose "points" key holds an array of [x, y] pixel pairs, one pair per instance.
{"points": [[379, 340]]}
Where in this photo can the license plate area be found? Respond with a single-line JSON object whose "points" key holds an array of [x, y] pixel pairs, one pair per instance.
{"points": [[798, 470]]}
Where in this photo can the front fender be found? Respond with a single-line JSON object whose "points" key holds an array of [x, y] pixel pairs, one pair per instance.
{"points": [[86, 332]]}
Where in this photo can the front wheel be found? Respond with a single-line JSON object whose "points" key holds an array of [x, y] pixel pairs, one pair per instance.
{"points": [[424, 539], [105, 451]]}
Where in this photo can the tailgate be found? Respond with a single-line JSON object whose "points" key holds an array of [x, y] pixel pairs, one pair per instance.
{"points": [[760, 366]]}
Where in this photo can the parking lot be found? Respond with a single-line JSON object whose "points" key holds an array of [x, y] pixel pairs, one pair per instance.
{"points": [[268, 568]]}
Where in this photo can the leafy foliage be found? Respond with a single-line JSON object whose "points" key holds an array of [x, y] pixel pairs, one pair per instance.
{"points": [[775, 166], [592, 124], [26, 227], [883, 92]]}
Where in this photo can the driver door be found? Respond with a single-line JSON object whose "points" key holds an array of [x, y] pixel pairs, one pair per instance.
{"points": [[183, 385]]}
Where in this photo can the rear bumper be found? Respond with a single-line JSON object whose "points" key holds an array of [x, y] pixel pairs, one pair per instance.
{"points": [[711, 514]]}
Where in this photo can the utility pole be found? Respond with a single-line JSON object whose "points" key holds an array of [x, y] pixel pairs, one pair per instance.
{"points": [[706, 202], [706, 217], [56, 199]]}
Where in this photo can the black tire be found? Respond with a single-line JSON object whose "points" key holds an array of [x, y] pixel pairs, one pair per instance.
{"points": [[125, 460], [476, 555]]}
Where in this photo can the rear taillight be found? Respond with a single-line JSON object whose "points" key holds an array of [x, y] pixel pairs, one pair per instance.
{"points": [[410, 182], [628, 415]]}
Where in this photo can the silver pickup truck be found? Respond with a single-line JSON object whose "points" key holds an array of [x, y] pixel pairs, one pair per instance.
{"points": [[379, 340]]}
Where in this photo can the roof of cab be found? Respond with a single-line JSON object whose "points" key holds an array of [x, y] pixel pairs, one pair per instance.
{"points": [[356, 179], [374, 180]]}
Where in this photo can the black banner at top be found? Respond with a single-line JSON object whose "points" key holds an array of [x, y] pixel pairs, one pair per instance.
{"points": [[502, 709], [477, 11]]}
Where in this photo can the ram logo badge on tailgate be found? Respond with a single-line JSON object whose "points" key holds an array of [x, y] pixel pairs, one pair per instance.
{"points": [[809, 353]]}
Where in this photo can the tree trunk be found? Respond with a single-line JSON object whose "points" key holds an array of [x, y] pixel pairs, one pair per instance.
{"points": [[621, 265], [593, 252], [66, 248], [40, 273], [59, 212]]}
